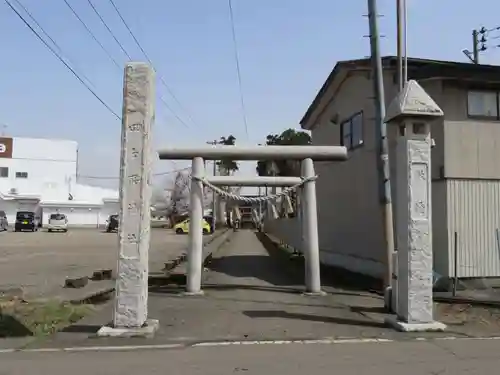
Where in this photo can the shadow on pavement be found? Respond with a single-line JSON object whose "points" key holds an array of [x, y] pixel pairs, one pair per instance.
{"points": [[179, 289], [330, 276], [82, 328], [261, 267], [368, 309], [255, 314], [11, 327]]}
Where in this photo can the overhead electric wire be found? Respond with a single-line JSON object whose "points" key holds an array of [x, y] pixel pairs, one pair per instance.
{"points": [[130, 31], [54, 52], [52, 40], [117, 177], [109, 29], [92, 34], [121, 47], [172, 111], [238, 69], [162, 80], [75, 13]]}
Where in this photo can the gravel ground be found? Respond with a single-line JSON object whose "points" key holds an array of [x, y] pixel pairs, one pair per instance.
{"points": [[40, 262]]}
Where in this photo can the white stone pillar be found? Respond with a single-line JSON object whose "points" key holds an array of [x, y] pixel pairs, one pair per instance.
{"points": [[413, 186], [414, 110], [131, 302]]}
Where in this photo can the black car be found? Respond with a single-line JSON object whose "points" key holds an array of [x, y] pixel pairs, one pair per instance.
{"points": [[112, 223], [210, 220], [26, 220]]}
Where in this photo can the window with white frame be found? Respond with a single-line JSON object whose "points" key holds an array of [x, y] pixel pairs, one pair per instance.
{"points": [[351, 131], [4, 172], [482, 104], [21, 174]]}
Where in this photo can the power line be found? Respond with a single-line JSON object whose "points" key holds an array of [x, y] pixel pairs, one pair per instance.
{"points": [[92, 34], [109, 30], [238, 70], [62, 60], [162, 80], [117, 177], [51, 39], [130, 31], [172, 111], [120, 44]]}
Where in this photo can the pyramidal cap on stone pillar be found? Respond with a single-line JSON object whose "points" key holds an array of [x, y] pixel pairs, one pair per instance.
{"points": [[412, 101], [412, 110]]}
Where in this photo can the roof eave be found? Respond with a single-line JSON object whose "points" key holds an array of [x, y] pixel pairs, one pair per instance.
{"points": [[386, 60]]}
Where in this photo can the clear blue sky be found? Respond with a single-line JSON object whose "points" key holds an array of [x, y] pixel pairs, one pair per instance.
{"points": [[287, 48]]}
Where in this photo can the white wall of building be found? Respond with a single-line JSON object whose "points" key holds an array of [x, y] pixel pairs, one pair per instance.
{"points": [[47, 169], [40, 167]]}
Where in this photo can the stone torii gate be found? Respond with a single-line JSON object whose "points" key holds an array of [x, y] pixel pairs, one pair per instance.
{"points": [[306, 183], [130, 315]]}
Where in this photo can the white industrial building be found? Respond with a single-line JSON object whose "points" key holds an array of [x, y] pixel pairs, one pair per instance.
{"points": [[41, 175]]}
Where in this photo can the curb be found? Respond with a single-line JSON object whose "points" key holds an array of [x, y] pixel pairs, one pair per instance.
{"points": [[208, 251], [173, 263], [92, 296], [466, 301], [207, 344], [169, 266]]}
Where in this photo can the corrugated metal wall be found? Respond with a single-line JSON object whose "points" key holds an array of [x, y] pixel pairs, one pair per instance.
{"points": [[474, 212], [440, 228]]}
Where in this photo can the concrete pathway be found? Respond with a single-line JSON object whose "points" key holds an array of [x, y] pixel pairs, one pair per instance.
{"points": [[460, 357]]}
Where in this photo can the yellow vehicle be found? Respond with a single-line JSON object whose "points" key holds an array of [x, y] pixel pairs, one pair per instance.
{"points": [[183, 227]]}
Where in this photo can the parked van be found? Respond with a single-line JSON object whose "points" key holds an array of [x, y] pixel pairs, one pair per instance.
{"points": [[4, 223], [26, 220]]}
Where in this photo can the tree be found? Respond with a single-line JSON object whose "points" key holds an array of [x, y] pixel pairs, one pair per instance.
{"points": [[227, 165], [179, 195], [289, 137]]}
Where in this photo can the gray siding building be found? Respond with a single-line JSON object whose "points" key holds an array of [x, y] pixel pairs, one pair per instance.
{"points": [[465, 165]]}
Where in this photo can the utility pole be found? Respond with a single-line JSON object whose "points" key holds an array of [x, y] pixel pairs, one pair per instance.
{"points": [[405, 42], [479, 39], [4, 127], [400, 44], [382, 144], [214, 200], [475, 50]]}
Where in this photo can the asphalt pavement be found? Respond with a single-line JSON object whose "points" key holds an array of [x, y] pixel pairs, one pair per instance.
{"points": [[253, 319], [457, 357], [252, 292], [38, 263]]}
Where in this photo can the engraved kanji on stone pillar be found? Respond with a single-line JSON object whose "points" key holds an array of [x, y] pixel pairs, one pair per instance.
{"points": [[131, 303], [412, 112]]}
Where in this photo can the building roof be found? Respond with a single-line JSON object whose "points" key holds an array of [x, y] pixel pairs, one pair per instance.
{"points": [[417, 69]]}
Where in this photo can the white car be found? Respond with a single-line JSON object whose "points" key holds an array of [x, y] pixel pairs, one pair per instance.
{"points": [[58, 222]]}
